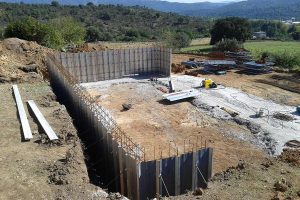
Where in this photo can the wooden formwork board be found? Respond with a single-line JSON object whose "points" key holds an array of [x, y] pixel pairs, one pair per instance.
{"points": [[22, 114], [43, 122]]}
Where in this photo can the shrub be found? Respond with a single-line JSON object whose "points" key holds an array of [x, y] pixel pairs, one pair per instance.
{"points": [[55, 34], [228, 45], [70, 30], [92, 34], [181, 39], [27, 29], [286, 60]]}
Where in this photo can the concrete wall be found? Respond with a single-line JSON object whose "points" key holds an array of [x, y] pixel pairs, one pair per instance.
{"points": [[121, 161], [114, 64]]}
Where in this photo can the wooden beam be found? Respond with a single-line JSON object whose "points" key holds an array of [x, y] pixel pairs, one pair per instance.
{"points": [[22, 114], [43, 122]]}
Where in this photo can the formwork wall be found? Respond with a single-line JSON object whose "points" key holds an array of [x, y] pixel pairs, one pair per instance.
{"points": [[123, 162], [114, 64]]}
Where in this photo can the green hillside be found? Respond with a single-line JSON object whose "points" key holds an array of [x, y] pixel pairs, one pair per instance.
{"points": [[116, 23]]}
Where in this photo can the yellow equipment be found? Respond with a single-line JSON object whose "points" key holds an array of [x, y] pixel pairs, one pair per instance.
{"points": [[208, 83]]}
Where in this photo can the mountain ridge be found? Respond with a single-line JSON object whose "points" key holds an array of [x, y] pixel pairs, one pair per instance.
{"points": [[253, 9]]}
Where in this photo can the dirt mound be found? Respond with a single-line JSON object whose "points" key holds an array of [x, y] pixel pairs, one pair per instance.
{"points": [[22, 61], [291, 156], [231, 171], [20, 46], [283, 117], [177, 68], [88, 47]]}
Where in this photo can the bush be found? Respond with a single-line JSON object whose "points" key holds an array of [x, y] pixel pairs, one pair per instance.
{"points": [[181, 40], [55, 34], [27, 29], [70, 30], [228, 45], [286, 60], [92, 34]]}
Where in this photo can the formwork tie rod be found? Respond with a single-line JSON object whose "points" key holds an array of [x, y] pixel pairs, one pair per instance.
{"points": [[201, 174], [162, 180]]}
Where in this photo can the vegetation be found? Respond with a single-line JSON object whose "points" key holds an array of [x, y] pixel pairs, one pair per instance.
{"points": [[228, 45], [286, 60], [56, 33], [254, 9], [274, 29], [284, 54], [177, 40], [230, 28], [110, 23], [258, 47]]}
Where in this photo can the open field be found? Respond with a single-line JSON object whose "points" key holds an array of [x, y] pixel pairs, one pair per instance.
{"points": [[200, 41], [257, 47]]}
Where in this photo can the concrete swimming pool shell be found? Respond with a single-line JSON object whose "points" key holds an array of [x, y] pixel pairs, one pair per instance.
{"points": [[124, 159]]}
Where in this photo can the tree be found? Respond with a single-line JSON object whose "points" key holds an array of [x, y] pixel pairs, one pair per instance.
{"points": [[230, 28], [90, 4], [55, 3], [181, 39], [92, 34], [176, 40], [71, 30]]}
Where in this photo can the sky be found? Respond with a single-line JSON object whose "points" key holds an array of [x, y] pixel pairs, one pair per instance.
{"points": [[194, 1]]}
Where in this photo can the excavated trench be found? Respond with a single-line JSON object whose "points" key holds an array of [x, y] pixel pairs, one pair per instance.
{"points": [[99, 171]]}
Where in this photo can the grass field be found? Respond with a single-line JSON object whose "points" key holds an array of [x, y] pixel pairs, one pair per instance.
{"points": [[258, 47]]}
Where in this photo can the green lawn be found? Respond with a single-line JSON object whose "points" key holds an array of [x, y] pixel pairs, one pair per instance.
{"points": [[257, 47]]}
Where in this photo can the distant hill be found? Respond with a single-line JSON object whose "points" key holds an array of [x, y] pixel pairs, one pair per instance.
{"points": [[116, 23], [253, 9]]}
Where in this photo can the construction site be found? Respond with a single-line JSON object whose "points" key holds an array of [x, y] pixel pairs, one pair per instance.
{"points": [[128, 126]]}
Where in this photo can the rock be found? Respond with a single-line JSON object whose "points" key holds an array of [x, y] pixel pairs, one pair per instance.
{"points": [[241, 165], [29, 68], [5, 79], [267, 164], [126, 106], [298, 193], [280, 186], [198, 192], [277, 196]]}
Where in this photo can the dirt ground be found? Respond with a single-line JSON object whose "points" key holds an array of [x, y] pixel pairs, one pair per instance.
{"points": [[39, 169], [154, 123], [267, 86], [260, 179]]}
